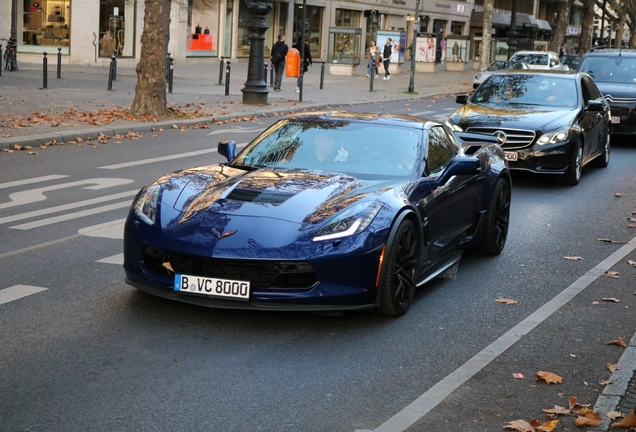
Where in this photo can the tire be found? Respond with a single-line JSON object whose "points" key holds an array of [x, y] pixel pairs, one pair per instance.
{"points": [[402, 263], [573, 174], [498, 219], [603, 159]]}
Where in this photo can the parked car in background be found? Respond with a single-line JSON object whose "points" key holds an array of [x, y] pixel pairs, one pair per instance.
{"points": [[538, 59], [321, 212], [572, 61], [494, 67], [549, 122], [614, 72]]}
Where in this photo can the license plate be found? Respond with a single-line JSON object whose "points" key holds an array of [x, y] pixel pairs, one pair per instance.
{"points": [[616, 119], [224, 288], [510, 156]]}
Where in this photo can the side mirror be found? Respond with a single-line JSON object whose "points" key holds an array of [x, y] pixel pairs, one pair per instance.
{"points": [[462, 99], [227, 148], [459, 167], [595, 106]]}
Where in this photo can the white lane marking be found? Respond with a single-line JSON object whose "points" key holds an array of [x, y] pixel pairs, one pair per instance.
{"points": [[36, 213], [17, 292], [112, 230], [31, 180], [35, 195], [161, 159], [440, 391], [115, 259], [229, 131], [69, 216]]}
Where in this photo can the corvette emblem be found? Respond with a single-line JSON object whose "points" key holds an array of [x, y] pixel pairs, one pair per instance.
{"points": [[219, 236]]}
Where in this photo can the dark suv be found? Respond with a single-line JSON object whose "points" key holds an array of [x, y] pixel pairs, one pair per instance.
{"points": [[614, 72]]}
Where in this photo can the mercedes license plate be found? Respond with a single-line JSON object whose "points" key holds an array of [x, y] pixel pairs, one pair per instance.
{"points": [[223, 288], [616, 119], [510, 156]]}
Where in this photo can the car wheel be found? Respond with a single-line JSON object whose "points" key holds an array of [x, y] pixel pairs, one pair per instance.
{"points": [[573, 174], [400, 273], [603, 159], [498, 219]]}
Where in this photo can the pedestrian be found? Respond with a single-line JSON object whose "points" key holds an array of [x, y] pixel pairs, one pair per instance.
{"points": [[386, 58], [277, 61], [443, 44], [373, 58], [308, 61]]}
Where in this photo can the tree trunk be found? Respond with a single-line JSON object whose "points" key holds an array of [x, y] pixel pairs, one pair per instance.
{"points": [[618, 42], [486, 35], [150, 92], [632, 34], [563, 20], [587, 25]]}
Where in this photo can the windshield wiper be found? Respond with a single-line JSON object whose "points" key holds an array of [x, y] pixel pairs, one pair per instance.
{"points": [[247, 167]]}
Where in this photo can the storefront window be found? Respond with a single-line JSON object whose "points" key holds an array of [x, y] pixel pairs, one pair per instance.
{"points": [[203, 28], [313, 28], [45, 23], [243, 48], [457, 28], [344, 45], [117, 28], [347, 18]]}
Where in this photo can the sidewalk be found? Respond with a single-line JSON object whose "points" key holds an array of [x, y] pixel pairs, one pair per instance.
{"points": [[31, 115]]}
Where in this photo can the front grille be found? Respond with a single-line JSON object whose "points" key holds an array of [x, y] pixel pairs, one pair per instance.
{"points": [[515, 138], [624, 129], [260, 273], [625, 100]]}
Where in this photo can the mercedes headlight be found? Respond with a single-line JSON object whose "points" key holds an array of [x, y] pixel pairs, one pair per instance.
{"points": [[350, 221], [553, 138], [477, 76], [146, 205]]}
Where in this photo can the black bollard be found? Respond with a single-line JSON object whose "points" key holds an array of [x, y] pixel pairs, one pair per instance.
{"points": [[59, 62], [110, 72], [0, 59], [271, 76], [170, 74], [265, 73], [114, 57], [322, 74], [221, 71], [227, 79], [45, 66], [167, 67], [371, 77]]}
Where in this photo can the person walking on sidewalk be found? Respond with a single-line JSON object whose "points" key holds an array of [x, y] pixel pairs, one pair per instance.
{"points": [[373, 57], [308, 61], [279, 52], [386, 58]]}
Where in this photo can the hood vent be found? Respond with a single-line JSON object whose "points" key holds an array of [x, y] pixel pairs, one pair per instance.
{"points": [[249, 195]]}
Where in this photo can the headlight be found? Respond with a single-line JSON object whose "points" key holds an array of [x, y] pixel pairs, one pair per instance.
{"points": [[352, 220], [553, 138], [477, 76], [146, 205], [453, 126]]}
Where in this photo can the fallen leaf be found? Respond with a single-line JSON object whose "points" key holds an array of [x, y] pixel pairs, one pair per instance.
{"points": [[619, 341], [519, 425], [544, 426], [606, 382], [507, 301], [612, 274], [631, 263], [549, 377], [557, 410], [573, 258], [606, 240], [614, 415], [627, 422], [610, 299], [518, 376], [594, 302], [631, 226], [631, 219], [575, 406], [618, 194], [168, 266], [612, 368], [17, 147], [32, 153], [589, 419]]}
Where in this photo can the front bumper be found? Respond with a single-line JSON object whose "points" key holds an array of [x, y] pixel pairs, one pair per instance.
{"points": [[627, 115], [542, 159]]}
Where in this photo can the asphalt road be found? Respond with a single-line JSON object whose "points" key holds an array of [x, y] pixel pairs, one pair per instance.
{"points": [[88, 352]]}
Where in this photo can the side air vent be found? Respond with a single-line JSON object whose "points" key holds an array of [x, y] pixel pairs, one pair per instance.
{"points": [[259, 196]]}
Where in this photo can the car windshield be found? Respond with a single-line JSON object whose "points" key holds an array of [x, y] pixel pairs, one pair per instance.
{"points": [[620, 70], [531, 59], [354, 148], [497, 65], [527, 89]]}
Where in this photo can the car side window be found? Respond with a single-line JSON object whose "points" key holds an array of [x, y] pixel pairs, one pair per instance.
{"points": [[441, 150], [586, 92], [592, 89]]}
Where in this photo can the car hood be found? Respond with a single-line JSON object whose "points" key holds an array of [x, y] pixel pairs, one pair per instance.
{"points": [[525, 117], [623, 91]]}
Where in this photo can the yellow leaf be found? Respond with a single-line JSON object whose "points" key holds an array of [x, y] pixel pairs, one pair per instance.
{"points": [[507, 301], [614, 415], [549, 377], [619, 341], [519, 425], [547, 426], [613, 368]]}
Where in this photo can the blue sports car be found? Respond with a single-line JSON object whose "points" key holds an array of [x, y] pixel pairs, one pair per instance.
{"points": [[326, 211]]}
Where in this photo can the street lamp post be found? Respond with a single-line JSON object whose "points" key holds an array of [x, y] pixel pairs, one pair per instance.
{"points": [[416, 24], [255, 89], [302, 52], [512, 34], [13, 39], [602, 38]]}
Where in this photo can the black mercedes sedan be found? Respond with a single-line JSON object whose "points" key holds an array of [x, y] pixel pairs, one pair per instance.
{"points": [[551, 122]]}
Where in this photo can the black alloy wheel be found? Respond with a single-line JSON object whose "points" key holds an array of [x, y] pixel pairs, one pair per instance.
{"points": [[498, 219], [402, 259], [603, 159], [573, 174]]}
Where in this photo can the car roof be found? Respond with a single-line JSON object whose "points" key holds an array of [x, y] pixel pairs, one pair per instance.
{"points": [[377, 118], [613, 52], [541, 72], [535, 52]]}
